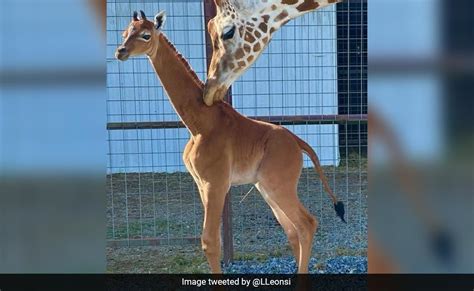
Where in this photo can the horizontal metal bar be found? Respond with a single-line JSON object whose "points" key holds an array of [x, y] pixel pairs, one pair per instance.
{"points": [[281, 120], [443, 63], [153, 242]]}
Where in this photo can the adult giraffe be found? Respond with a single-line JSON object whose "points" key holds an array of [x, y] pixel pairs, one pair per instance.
{"points": [[227, 148], [241, 30]]}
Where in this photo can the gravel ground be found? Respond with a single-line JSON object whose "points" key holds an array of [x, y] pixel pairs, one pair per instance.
{"points": [[190, 260], [167, 206], [287, 265]]}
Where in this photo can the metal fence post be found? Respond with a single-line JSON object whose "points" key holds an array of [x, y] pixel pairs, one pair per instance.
{"points": [[227, 235]]}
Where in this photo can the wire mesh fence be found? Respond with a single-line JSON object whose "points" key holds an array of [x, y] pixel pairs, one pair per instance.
{"points": [[311, 79]]}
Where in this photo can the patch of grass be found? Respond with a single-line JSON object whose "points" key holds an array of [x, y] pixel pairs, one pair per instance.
{"points": [[146, 228], [262, 257], [353, 161], [156, 260], [341, 251], [195, 264]]}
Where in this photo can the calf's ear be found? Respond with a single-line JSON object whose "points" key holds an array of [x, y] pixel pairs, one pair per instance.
{"points": [[160, 19]]}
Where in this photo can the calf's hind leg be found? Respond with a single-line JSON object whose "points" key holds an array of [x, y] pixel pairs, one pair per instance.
{"points": [[285, 222], [278, 177], [298, 224]]}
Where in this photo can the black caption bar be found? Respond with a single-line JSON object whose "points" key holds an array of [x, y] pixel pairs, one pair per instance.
{"points": [[455, 282]]}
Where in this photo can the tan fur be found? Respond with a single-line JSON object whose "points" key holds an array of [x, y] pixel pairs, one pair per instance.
{"points": [[227, 149]]}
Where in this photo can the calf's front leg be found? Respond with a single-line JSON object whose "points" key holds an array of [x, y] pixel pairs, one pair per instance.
{"points": [[213, 197]]}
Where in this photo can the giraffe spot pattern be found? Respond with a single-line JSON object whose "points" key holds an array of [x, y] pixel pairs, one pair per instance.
{"points": [[251, 35], [247, 48], [256, 47], [281, 16], [307, 5], [289, 2], [241, 31], [249, 38], [239, 54]]}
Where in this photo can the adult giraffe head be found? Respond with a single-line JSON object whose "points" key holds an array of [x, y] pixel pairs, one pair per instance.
{"points": [[240, 31], [139, 36]]}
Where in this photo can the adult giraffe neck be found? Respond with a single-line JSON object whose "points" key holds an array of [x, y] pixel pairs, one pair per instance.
{"points": [[182, 85]]}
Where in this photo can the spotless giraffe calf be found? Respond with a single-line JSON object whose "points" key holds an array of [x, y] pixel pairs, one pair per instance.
{"points": [[227, 148]]}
